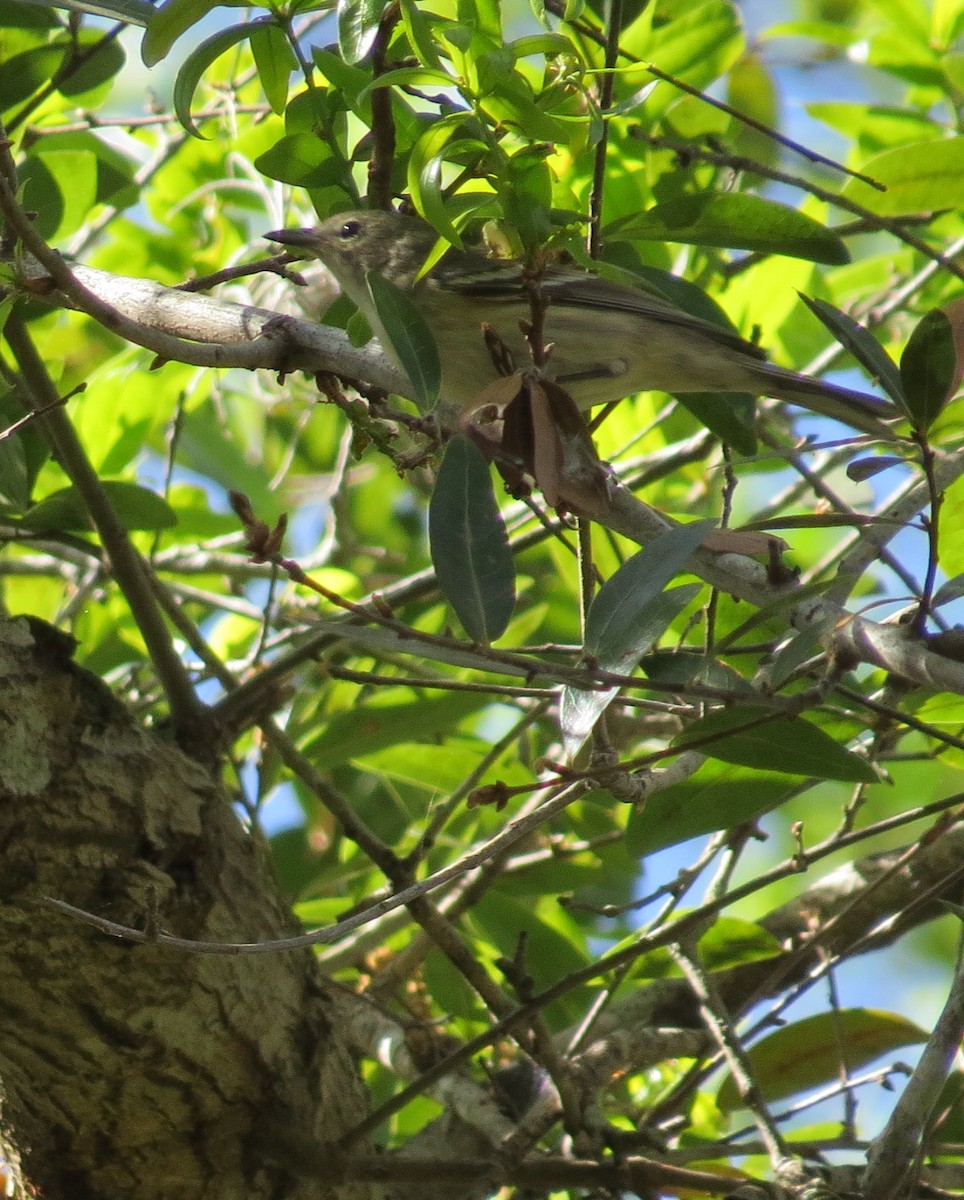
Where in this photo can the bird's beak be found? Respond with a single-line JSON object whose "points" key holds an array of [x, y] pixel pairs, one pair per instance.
{"points": [[303, 239]]}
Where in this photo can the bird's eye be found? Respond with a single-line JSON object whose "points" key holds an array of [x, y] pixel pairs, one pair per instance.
{"points": [[350, 229]]}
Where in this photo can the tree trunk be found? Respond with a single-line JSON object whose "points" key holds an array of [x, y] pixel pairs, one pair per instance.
{"points": [[136, 1070]]}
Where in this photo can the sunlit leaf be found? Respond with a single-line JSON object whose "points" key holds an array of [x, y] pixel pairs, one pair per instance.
{"points": [[197, 62], [275, 61], [736, 221], [921, 178], [814, 1051], [169, 21]]}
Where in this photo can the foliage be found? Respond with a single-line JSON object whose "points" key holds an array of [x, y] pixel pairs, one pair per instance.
{"points": [[629, 701]]}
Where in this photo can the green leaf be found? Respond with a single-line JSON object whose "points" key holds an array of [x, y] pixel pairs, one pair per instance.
{"points": [[549, 44], [198, 61], [699, 44], [31, 14], [61, 187], [168, 22], [579, 708], [353, 83], [420, 29], [14, 484], [425, 169], [754, 736], [22, 454], [134, 12], [928, 369], [950, 542], [42, 195], [552, 950], [730, 942], [368, 728], [104, 58], [812, 1052], [410, 337], [921, 178], [409, 77], [719, 796], [876, 126], [619, 609], [735, 221], [115, 183], [358, 27], [275, 61], [862, 345], [947, 23], [470, 548], [136, 507], [483, 16], [303, 160], [24, 73], [730, 415], [629, 612], [449, 988]]}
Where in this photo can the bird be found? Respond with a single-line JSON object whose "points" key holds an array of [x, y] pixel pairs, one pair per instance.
{"points": [[608, 340]]}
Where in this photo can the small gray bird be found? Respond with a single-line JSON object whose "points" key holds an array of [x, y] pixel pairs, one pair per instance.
{"points": [[608, 340]]}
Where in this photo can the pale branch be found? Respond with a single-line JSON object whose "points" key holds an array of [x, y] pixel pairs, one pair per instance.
{"points": [[855, 899], [376, 1034], [633, 1175], [216, 333], [908, 499], [893, 1156], [205, 331], [853, 637]]}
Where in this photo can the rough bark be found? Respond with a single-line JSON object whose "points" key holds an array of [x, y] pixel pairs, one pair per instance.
{"points": [[135, 1070]]}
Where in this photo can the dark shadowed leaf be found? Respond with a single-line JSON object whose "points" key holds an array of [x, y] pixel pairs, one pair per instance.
{"points": [[754, 736], [719, 796], [470, 549], [953, 589], [579, 709], [619, 609], [928, 368], [730, 415], [198, 61], [410, 337], [866, 468], [135, 506], [134, 12], [862, 345]]}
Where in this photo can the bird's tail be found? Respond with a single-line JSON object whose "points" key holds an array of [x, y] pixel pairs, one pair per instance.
{"points": [[858, 409]]}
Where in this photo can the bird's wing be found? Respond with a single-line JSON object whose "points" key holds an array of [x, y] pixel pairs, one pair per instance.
{"points": [[498, 281]]}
